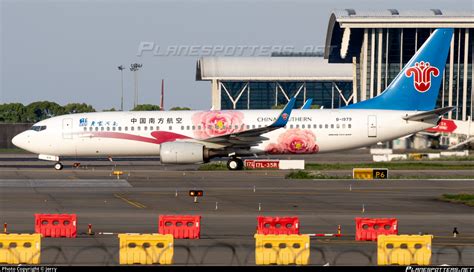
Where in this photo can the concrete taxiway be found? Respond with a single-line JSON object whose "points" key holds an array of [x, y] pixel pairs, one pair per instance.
{"points": [[229, 209]]}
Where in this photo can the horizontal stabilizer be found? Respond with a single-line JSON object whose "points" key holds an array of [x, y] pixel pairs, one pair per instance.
{"points": [[462, 143], [428, 114]]}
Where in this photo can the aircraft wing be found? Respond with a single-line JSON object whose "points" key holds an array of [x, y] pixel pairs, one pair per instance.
{"points": [[253, 137], [471, 139], [428, 114]]}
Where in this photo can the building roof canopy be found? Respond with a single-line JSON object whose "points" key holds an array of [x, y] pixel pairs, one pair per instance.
{"points": [[271, 68], [357, 20]]}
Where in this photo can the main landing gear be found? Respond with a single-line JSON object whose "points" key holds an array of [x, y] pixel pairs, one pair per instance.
{"points": [[234, 164], [58, 166]]}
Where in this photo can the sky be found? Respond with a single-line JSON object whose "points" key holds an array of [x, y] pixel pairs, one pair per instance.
{"points": [[68, 51]]}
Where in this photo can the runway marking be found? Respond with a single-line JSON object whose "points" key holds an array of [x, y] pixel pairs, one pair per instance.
{"points": [[131, 202]]}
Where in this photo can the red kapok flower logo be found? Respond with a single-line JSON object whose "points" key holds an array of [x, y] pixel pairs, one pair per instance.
{"points": [[295, 141], [217, 123], [421, 73]]}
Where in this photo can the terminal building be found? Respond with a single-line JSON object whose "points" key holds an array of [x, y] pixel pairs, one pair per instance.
{"points": [[267, 82], [380, 43], [364, 51]]}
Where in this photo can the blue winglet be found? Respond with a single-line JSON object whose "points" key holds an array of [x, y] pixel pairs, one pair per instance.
{"points": [[285, 114], [307, 104]]}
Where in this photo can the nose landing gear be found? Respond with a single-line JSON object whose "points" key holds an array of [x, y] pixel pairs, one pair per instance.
{"points": [[234, 164], [58, 166]]}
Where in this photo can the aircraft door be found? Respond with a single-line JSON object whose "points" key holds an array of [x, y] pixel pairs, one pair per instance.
{"points": [[67, 128], [372, 125]]}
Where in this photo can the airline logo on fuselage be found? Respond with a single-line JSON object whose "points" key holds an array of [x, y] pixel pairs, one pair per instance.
{"points": [[421, 73], [83, 122]]}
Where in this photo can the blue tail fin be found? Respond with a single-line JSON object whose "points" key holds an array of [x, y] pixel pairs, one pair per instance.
{"points": [[417, 86]]}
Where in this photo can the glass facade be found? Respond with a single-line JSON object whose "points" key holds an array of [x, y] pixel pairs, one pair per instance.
{"points": [[268, 94]]}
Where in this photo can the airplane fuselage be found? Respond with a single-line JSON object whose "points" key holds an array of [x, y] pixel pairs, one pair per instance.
{"points": [[142, 133]]}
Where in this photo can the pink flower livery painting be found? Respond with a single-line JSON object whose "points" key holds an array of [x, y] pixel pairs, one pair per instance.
{"points": [[217, 123], [295, 141]]}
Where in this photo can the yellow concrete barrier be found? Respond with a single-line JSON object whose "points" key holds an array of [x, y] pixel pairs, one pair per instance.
{"points": [[415, 156], [146, 248], [404, 249], [20, 248], [282, 249]]}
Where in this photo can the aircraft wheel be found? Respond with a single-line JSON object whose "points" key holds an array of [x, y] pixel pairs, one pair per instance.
{"points": [[234, 164], [58, 166]]}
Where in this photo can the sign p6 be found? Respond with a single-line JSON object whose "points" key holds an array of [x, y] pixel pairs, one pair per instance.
{"points": [[380, 174]]}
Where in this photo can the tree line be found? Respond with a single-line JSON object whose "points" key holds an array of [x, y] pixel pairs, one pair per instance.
{"points": [[37, 111]]}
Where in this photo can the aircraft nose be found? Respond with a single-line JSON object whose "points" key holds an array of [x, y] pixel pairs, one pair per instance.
{"points": [[19, 140]]}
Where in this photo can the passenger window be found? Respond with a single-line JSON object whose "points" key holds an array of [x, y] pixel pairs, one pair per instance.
{"points": [[145, 128], [315, 126], [187, 127], [343, 125], [193, 127], [253, 126], [157, 127], [132, 128], [126, 128], [85, 128], [113, 128], [302, 126], [108, 128], [326, 126], [182, 127], [291, 126], [248, 127], [119, 128], [349, 125], [297, 125], [337, 125], [332, 125], [259, 126], [320, 126], [96, 128], [90, 129], [138, 128], [171, 127], [199, 127]]}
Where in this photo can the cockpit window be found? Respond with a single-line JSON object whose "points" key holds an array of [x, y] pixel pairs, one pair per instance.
{"points": [[38, 128]]}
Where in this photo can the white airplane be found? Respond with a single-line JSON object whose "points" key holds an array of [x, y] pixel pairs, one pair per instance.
{"points": [[185, 137]]}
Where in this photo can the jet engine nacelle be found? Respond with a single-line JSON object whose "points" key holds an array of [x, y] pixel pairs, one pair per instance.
{"points": [[183, 153]]}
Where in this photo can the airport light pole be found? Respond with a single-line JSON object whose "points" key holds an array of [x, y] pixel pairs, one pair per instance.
{"points": [[121, 68], [134, 67]]}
